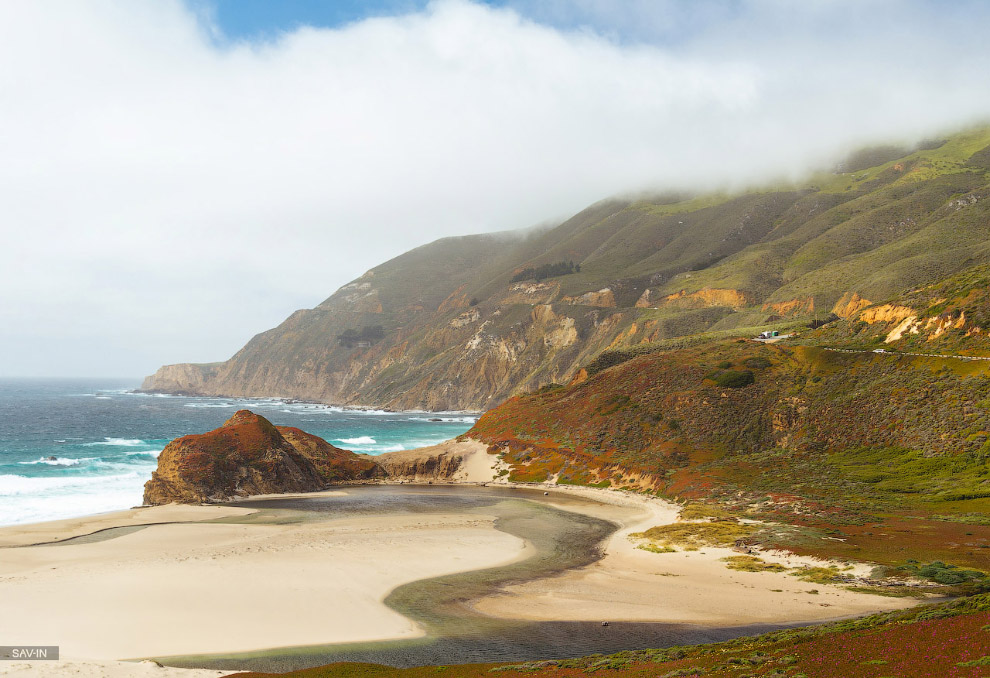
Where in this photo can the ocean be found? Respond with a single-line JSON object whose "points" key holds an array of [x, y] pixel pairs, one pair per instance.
{"points": [[75, 447]]}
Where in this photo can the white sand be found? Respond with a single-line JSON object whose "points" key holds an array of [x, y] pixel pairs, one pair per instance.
{"points": [[477, 466], [630, 584], [205, 588]]}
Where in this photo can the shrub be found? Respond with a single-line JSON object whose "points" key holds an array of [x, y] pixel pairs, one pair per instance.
{"points": [[757, 363], [735, 378], [725, 364]]}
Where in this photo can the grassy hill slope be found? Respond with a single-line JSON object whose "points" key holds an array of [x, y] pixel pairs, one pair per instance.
{"points": [[875, 457], [451, 325]]}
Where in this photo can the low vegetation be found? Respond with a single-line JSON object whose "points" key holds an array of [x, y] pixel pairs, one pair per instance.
{"points": [[843, 456], [753, 564], [718, 533]]}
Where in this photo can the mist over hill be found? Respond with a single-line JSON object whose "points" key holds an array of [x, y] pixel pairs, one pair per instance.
{"points": [[466, 322]]}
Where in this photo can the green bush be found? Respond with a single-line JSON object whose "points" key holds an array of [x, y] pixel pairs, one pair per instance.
{"points": [[757, 363], [735, 378]]}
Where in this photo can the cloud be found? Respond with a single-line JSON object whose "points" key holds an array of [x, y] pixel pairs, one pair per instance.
{"points": [[166, 195]]}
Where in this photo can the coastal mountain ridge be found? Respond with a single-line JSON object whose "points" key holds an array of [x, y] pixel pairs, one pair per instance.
{"points": [[465, 323]]}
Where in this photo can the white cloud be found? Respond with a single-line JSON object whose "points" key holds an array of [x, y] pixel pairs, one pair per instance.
{"points": [[164, 197]]}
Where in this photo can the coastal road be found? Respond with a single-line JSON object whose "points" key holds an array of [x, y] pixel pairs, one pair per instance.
{"points": [[900, 353]]}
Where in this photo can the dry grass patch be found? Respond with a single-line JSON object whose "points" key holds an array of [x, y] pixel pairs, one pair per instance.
{"points": [[752, 564], [700, 511], [655, 548], [721, 533], [817, 575]]}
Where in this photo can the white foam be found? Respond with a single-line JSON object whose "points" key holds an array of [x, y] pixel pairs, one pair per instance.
{"points": [[59, 461], [362, 440], [120, 442], [375, 450], [436, 420], [220, 405], [27, 500], [150, 453]]}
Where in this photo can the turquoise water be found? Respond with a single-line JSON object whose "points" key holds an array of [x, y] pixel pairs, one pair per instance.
{"points": [[105, 439]]}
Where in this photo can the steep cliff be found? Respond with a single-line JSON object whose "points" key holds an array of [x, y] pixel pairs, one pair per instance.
{"points": [[426, 464], [465, 323], [951, 316], [247, 456]]}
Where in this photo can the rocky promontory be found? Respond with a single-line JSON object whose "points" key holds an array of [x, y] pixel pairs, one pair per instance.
{"points": [[248, 455]]}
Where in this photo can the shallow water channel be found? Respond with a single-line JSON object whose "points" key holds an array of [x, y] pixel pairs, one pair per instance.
{"points": [[455, 633]]}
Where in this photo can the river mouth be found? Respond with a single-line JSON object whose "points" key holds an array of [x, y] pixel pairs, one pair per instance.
{"points": [[455, 632]]}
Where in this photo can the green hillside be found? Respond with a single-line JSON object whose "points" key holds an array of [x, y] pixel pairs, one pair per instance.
{"points": [[831, 444], [446, 326]]}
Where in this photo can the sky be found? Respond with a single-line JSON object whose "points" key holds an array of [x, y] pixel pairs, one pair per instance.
{"points": [[179, 175]]}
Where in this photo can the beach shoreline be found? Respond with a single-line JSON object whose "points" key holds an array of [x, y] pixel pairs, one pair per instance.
{"points": [[211, 552]]}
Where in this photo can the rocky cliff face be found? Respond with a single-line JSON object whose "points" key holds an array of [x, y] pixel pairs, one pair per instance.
{"points": [[248, 456], [182, 379], [426, 464], [450, 326]]}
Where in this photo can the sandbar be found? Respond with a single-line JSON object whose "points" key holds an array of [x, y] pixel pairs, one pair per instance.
{"points": [[191, 588]]}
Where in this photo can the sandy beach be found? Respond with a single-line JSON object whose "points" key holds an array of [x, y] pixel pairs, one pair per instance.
{"points": [[696, 587], [192, 588], [181, 585]]}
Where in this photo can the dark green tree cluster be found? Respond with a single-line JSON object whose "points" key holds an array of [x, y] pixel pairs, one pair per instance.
{"points": [[369, 333], [816, 323], [547, 271]]}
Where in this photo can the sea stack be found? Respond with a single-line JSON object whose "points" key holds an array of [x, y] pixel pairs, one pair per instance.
{"points": [[248, 455]]}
